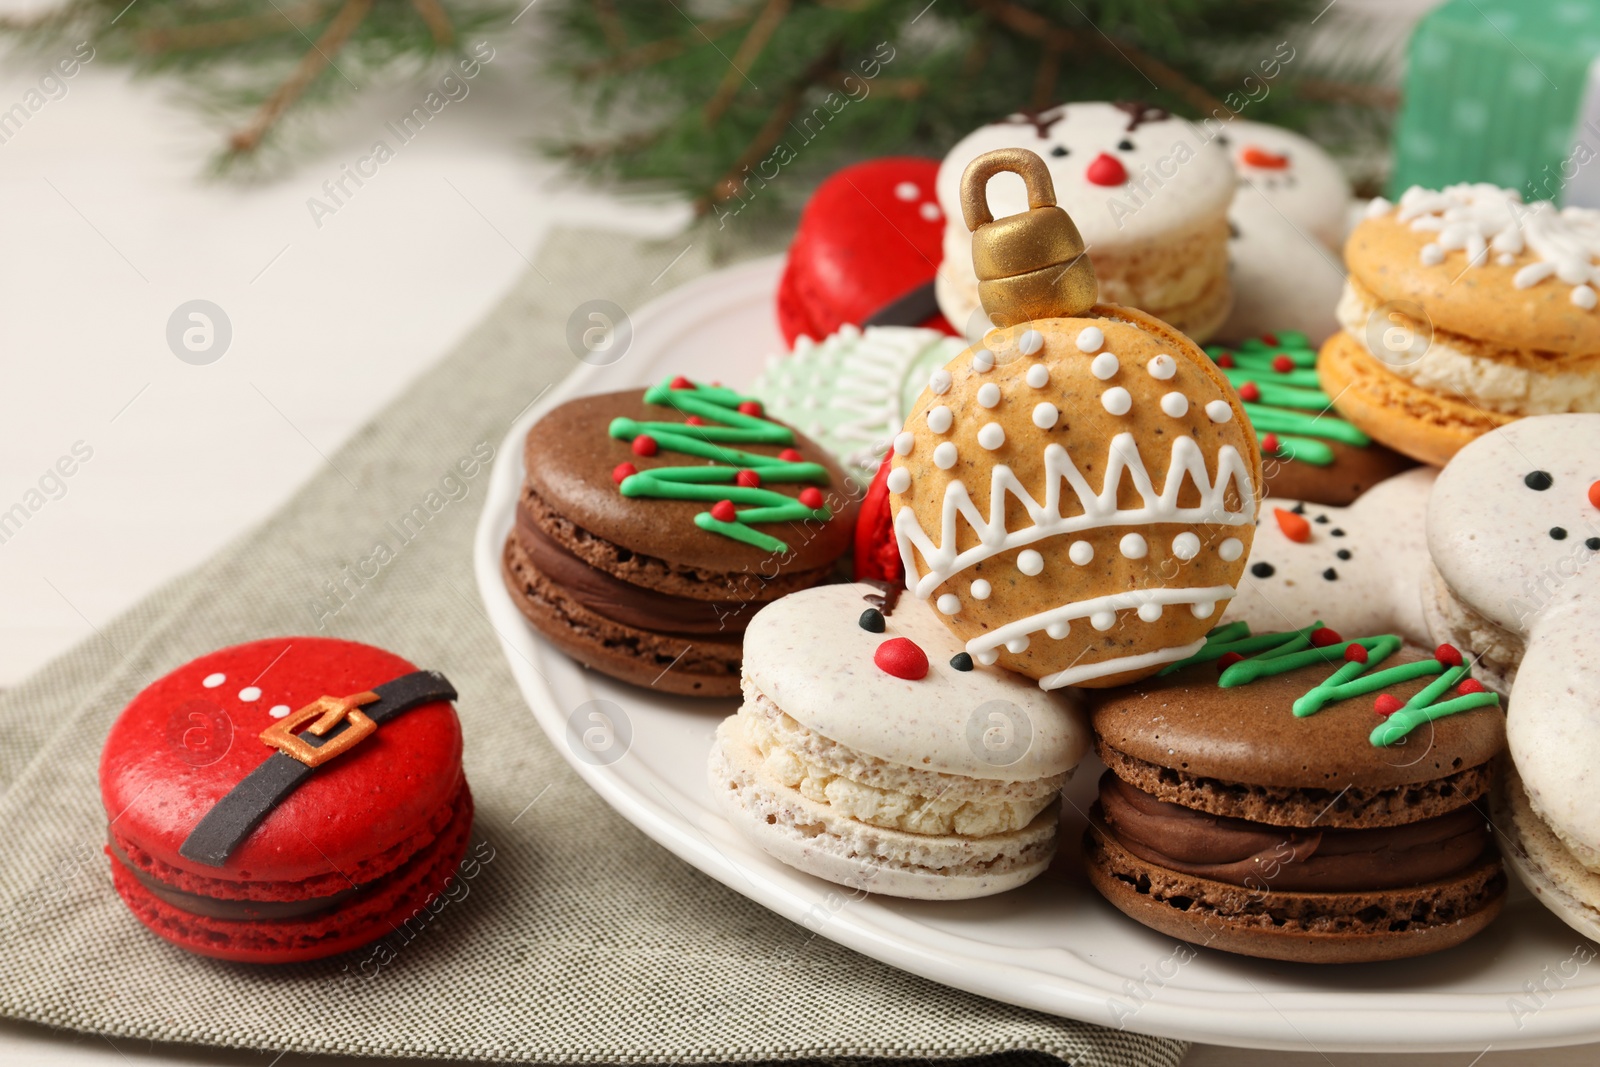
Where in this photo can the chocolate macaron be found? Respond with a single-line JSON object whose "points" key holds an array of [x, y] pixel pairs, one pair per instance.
{"points": [[1298, 796], [653, 524]]}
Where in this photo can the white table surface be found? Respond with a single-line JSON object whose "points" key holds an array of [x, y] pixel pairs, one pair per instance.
{"points": [[109, 226]]}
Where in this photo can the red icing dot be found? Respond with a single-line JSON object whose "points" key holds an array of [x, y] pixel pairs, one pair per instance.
{"points": [[1249, 391], [1294, 527], [645, 445], [1225, 360], [621, 471], [750, 407], [1270, 340], [1386, 705], [1106, 170], [1322, 637], [1356, 654], [1282, 363], [789, 455], [1227, 660], [695, 420], [902, 658], [1269, 444], [1594, 494], [1469, 686], [680, 382], [748, 479], [1448, 654], [811, 496], [723, 511]]}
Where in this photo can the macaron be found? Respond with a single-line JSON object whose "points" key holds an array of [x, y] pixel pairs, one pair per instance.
{"points": [[654, 523], [870, 750], [865, 251], [850, 392], [1301, 796], [1465, 309], [1307, 451], [286, 799], [1149, 194]]}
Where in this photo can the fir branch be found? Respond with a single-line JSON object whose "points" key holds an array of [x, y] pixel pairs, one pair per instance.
{"points": [[219, 33], [761, 31], [311, 64], [432, 12]]}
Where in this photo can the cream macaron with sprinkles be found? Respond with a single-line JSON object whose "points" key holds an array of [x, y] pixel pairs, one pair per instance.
{"points": [[872, 752]]}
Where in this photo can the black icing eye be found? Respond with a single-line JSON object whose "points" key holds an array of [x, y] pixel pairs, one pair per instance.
{"points": [[1124, 145], [872, 621], [1262, 570], [1331, 574], [1059, 150], [1539, 480], [1343, 553], [1593, 544], [1222, 139], [1336, 532], [961, 661], [1557, 533]]}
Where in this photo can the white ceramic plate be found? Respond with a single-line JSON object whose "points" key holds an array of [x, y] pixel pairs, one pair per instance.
{"points": [[1054, 945]]}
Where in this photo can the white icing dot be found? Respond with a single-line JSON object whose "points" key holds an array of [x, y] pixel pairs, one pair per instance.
{"points": [[1030, 342], [1103, 620], [1059, 629], [939, 419], [1150, 612], [213, 680], [1186, 546], [1378, 206], [1105, 366], [1432, 255], [903, 443], [1231, 549], [1090, 338], [1203, 609], [1116, 400], [1081, 552], [944, 457], [1219, 411], [907, 191], [1134, 546], [1505, 259], [949, 603], [989, 395], [989, 658], [1045, 415], [249, 693], [1175, 404], [1584, 297], [1162, 367], [1038, 376], [1029, 562], [982, 360], [930, 211], [279, 711], [939, 381], [992, 436], [1017, 644], [981, 589], [899, 480]]}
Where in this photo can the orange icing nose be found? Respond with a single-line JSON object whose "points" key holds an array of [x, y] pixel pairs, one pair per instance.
{"points": [[1594, 494], [1251, 156]]}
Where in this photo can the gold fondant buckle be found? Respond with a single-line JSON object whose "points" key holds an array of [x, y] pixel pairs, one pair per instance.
{"points": [[329, 712]]}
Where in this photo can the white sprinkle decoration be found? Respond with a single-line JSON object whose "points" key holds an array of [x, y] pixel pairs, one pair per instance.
{"points": [[1017, 644], [1059, 629], [907, 191], [1030, 562], [249, 694], [949, 603], [1045, 415], [899, 480], [1186, 546], [1162, 367], [1103, 620], [939, 419], [1175, 404], [903, 443], [1505, 259], [982, 360], [1150, 612], [1219, 411], [279, 711], [1203, 609], [1134, 546], [1030, 342], [981, 589], [1432, 255], [1584, 297], [1081, 553], [989, 395], [939, 381], [1105, 366], [944, 457], [989, 658], [1116, 400], [213, 680], [930, 211], [1038, 376], [1090, 338], [992, 436], [1378, 206], [1231, 549]]}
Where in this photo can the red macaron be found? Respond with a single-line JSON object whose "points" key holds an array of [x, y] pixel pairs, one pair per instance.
{"points": [[349, 817], [869, 243], [876, 553]]}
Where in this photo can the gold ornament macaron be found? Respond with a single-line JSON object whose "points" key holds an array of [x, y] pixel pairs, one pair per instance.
{"points": [[1077, 494], [1464, 310]]}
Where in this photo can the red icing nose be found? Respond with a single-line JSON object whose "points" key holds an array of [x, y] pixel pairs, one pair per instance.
{"points": [[1594, 494], [901, 657], [1251, 156], [1106, 170]]}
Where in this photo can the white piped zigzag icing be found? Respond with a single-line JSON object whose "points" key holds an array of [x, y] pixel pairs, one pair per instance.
{"points": [[1098, 509]]}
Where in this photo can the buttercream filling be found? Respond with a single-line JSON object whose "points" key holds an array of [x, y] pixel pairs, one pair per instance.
{"points": [[1278, 858], [1493, 384]]}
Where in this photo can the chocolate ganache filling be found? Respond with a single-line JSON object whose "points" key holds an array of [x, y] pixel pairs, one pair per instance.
{"points": [[1295, 859], [235, 910]]}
